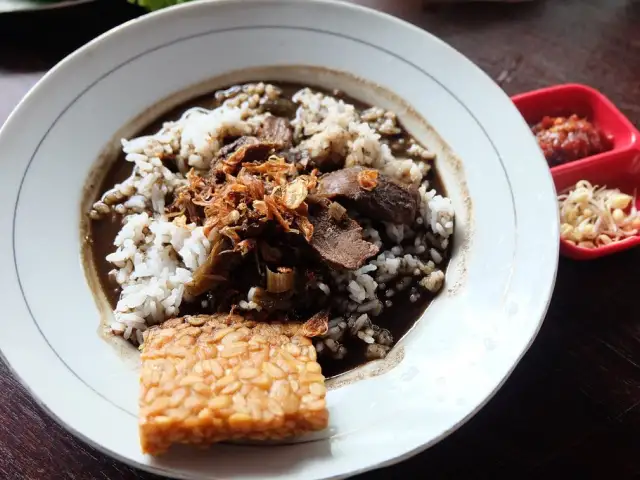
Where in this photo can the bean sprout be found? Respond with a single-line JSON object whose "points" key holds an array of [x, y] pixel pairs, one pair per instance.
{"points": [[592, 216]]}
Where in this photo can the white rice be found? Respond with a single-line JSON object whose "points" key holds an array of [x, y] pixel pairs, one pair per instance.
{"points": [[154, 260], [203, 132], [325, 288], [332, 125], [436, 211]]}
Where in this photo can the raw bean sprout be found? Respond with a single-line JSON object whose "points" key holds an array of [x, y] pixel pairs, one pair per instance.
{"points": [[592, 216]]}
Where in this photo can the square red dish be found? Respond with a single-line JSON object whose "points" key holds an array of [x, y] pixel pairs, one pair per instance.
{"points": [[586, 102], [618, 169]]}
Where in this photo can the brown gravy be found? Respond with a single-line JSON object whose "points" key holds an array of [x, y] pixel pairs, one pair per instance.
{"points": [[398, 319]]}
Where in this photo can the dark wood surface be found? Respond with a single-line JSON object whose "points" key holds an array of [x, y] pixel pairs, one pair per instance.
{"points": [[572, 407]]}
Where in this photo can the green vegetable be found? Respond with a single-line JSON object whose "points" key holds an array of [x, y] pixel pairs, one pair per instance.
{"points": [[156, 4]]}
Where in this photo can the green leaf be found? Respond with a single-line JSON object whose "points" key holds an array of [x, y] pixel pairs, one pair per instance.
{"points": [[157, 4]]}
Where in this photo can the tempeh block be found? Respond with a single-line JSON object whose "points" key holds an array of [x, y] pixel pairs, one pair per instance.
{"points": [[207, 379]]}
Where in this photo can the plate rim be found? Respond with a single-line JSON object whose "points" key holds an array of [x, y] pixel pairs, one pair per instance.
{"points": [[364, 11]]}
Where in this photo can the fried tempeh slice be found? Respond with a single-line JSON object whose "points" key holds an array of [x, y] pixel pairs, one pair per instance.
{"points": [[206, 379]]}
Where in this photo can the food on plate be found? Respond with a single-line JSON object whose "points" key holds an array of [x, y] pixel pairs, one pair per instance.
{"points": [[212, 378], [270, 203], [565, 139], [592, 216]]}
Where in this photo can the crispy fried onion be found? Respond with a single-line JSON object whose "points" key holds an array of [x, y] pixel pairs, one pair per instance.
{"points": [[187, 198], [261, 192], [368, 179], [275, 169], [251, 149], [317, 325]]}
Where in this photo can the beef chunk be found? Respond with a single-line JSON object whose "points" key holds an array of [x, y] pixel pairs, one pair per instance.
{"points": [[338, 242], [371, 193], [225, 152], [324, 162], [277, 130]]}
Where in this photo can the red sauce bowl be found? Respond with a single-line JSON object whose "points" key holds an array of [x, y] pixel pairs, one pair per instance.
{"points": [[616, 168], [586, 102]]}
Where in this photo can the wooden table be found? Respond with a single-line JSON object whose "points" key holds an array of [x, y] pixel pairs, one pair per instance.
{"points": [[572, 407]]}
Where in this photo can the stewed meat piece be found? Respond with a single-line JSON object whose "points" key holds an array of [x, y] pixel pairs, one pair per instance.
{"points": [[276, 130], [371, 193], [338, 238]]}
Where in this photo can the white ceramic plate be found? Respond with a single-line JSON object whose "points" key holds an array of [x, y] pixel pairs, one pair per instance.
{"points": [[499, 282], [33, 5]]}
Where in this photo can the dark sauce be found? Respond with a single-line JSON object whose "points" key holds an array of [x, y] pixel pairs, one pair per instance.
{"points": [[398, 319]]}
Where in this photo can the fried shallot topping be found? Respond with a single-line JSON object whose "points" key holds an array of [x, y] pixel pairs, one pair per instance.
{"points": [[242, 204], [368, 179]]}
